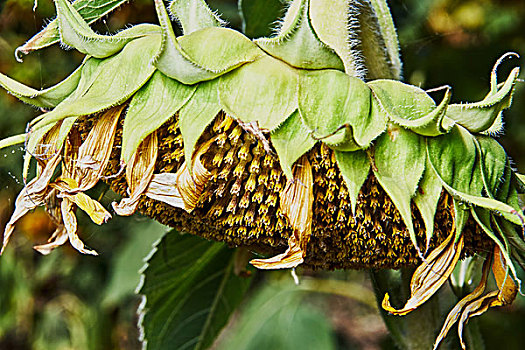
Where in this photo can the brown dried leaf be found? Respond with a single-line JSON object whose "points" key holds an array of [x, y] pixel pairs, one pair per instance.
{"points": [[139, 174], [430, 275], [296, 203]]}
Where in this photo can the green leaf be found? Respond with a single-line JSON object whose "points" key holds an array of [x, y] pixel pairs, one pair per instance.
{"points": [[263, 91], [330, 100], [197, 114], [455, 160], [194, 15], [190, 291], [481, 116], [291, 140], [258, 16], [108, 82], [279, 317], [90, 10], [127, 260], [427, 198], [354, 167], [47, 98], [411, 107], [297, 44], [331, 24], [75, 32], [153, 105], [399, 159]]}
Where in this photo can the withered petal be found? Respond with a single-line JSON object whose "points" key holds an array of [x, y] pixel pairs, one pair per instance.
{"points": [[58, 238], [456, 312], [297, 205], [163, 188], [31, 196], [70, 223], [430, 275], [138, 175]]}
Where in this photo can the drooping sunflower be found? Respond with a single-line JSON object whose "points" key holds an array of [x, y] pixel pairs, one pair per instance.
{"points": [[304, 145]]}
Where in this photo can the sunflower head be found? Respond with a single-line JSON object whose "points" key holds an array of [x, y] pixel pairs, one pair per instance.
{"points": [[303, 145]]}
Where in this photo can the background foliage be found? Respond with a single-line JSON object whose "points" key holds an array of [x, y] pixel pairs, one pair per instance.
{"points": [[69, 301]]}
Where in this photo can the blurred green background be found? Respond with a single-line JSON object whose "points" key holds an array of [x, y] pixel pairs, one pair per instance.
{"points": [[70, 301]]}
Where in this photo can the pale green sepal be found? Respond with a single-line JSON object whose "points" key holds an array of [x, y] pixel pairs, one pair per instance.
{"points": [[521, 182], [13, 140], [153, 105], [511, 240], [202, 55], [47, 98], [197, 114], [219, 50], [90, 10], [194, 15], [482, 217], [341, 140], [427, 198], [297, 44], [481, 116], [461, 216], [171, 59], [264, 91], [389, 35], [291, 140], [354, 167], [493, 163], [399, 159], [330, 21], [111, 82], [330, 101], [75, 32], [411, 107], [455, 159]]}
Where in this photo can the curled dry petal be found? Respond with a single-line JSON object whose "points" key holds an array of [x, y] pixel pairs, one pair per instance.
{"points": [[191, 184], [35, 192], [70, 222], [474, 304], [58, 238], [93, 155], [184, 188], [430, 275], [163, 188], [296, 203], [139, 173], [455, 313]]}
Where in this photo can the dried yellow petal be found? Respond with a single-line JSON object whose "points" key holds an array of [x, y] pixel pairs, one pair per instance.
{"points": [[296, 203], [430, 275], [139, 173]]}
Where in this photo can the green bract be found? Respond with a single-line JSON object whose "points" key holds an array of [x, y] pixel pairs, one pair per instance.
{"points": [[309, 84]]}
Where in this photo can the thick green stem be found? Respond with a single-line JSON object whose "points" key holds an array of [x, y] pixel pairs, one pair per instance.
{"points": [[417, 330]]}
